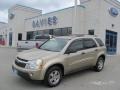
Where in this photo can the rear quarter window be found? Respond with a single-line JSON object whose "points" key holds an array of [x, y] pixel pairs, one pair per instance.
{"points": [[99, 41]]}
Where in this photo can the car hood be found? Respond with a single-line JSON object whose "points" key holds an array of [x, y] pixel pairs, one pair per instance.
{"points": [[35, 54]]}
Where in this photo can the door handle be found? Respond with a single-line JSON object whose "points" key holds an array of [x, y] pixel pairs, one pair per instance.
{"points": [[96, 50], [83, 53]]}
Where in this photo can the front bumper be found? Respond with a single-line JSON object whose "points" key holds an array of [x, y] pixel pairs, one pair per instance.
{"points": [[26, 73]]}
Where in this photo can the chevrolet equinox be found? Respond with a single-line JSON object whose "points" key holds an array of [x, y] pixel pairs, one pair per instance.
{"points": [[60, 56]]}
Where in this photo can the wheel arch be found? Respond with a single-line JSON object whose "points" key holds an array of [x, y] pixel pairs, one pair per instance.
{"points": [[56, 64], [103, 56]]}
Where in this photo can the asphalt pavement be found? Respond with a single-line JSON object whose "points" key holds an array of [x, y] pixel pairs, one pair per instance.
{"points": [[108, 79]]}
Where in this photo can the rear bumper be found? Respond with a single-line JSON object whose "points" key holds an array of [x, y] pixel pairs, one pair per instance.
{"points": [[29, 74]]}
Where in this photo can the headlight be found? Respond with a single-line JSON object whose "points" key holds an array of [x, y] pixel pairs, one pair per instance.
{"points": [[34, 64]]}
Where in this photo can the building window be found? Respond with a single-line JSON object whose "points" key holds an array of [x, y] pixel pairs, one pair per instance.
{"points": [[57, 32], [62, 31], [30, 35], [70, 30], [42, 32], [51, 31], [90, 32], [19, 36], [65, 31]]}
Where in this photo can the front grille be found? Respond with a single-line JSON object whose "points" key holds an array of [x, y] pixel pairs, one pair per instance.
{"points": [[22, 59], [21, 62]]}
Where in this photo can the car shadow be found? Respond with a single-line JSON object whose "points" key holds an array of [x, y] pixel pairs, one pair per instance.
{"points": [[77, 74], [34, 83]]}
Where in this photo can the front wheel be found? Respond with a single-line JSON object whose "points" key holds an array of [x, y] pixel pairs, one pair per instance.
{"points": [[53, 76], [100, 64]]}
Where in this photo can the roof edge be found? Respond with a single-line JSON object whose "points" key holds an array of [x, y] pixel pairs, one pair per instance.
{"points": [[25, 7], [55, 11]]}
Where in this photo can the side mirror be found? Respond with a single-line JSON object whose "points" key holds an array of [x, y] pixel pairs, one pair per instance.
{"points": [[68, 51]]}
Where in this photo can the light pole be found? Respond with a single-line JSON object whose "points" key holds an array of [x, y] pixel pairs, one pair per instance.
{"points": [[79, 2], [75, 17]]}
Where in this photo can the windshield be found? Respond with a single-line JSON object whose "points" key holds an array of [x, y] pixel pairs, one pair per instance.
{"points": [[55, 45]]}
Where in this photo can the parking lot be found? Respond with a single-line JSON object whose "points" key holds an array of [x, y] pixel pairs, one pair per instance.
{"points": [[108, 79]]}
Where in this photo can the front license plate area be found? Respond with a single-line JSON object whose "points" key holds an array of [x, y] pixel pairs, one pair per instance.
{"points": [[14, 70]]}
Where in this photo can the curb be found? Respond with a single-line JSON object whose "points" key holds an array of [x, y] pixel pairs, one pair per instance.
{"points": [[8, 47]]}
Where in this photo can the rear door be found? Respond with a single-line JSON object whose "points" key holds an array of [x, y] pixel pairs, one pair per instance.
{"points": [[90, 51]]}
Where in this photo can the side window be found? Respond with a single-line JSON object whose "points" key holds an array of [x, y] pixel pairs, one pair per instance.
{"points": [[76, 45], [89, 43], [19, 36], [99, 41], [41, 37]]}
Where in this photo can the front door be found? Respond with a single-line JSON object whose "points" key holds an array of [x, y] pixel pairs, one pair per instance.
{"points": [[111, 42], [73, 55]]}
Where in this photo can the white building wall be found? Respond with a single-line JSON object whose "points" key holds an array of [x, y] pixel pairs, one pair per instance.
{"points": [[64, 19], [79, 21], [98, 18], [16, 25], [106, 20], [91, 14]]}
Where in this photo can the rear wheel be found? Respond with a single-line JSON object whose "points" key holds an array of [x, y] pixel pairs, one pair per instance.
{"points": [[53, 76], [100, 64]]}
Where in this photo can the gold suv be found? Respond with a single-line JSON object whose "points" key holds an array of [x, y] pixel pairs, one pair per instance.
{"points": [[60, 56]]}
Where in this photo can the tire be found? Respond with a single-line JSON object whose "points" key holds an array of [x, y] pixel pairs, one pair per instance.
{"points": [[100, 64], [53, 76]]}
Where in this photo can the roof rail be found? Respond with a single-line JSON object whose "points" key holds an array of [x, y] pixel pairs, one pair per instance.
{"points": [[81, 35]]}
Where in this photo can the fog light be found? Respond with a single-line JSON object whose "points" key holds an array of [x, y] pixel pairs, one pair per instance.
{"points": [[31, 74]]}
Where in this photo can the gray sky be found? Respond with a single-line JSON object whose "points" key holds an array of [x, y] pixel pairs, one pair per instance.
{"points": [[45, 5]]}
